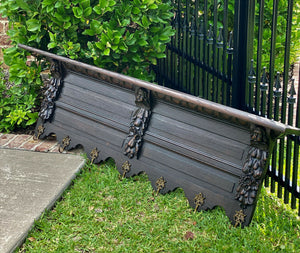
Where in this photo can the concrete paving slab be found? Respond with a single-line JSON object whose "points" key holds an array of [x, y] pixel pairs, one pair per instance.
{"points": [[30, 182]]}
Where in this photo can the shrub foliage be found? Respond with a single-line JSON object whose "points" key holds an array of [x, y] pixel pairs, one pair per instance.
{"points": [[123, 36]]}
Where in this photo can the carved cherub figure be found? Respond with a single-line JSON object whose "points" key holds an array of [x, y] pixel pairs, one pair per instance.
{"points": [[142, 98], [258, 135]]}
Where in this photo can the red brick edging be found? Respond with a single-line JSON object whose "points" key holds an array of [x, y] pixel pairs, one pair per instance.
{"points": [[26, 142]]}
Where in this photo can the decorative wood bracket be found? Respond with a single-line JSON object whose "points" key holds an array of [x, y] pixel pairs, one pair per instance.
{"points": [[139, 123], [253, 168], [53, 89]]}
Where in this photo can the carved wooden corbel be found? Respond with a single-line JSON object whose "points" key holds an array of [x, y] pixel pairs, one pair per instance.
{"points": [[50, 96], [139, 123], [253, 168], [52, 91]]}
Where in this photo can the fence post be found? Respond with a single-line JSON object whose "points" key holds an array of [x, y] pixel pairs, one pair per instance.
{"points": [[243, 51]]}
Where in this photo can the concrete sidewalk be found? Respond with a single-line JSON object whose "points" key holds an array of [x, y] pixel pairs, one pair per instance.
{"points": [[30, 182]]}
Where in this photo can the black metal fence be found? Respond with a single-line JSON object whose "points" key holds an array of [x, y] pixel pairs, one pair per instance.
{"points": [[237, 52]]}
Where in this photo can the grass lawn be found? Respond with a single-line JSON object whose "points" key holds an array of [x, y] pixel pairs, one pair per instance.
{"points": [[100, 213]]}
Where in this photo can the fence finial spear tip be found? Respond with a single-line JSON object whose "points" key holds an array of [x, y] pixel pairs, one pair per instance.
{"points": [[277, 92], [251, 74], [292, 91], [252, 71], [277, 82], [264, 78], [220, 38], [210, 35], [264, 81]]}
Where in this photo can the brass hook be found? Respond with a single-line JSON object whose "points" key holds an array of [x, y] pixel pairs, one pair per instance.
{"points": [[126, 167], [199, 200], [40, 131], [239, 218], [160, 184], [65, 143], [94, 154]]}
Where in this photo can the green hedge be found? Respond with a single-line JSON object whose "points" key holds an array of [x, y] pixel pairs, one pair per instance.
{"points": [[123, 36]]}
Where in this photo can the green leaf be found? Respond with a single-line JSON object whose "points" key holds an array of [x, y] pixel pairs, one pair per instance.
{"points": [[142, 43], [145, 21], [87, 12], [33, 25], [160, 55], [33, 118], [130, 42], [104, 38], [84, 3], [155, 29], [98, 10], [67, 25], [99, 45], [77, 12], [125, 22], [136, 10], [153, 6], [137, 58], [22, 4], [89, 32], [48, 2], [103, 4], [51, 45], [112, 3], [33, 37], [116, 40], [30, 122], [95, 28], [123, 47], [52, 36], [106, 51], [59, 17], [163, 37], [133, 49]]}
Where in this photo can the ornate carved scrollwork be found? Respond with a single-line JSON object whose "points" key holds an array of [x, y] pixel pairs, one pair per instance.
{"points": [[199, 200], [138, 124], [64, 143], [160, 184], [52, 90], [253, 168], [94, 154], [126, 167], [39, 132], [239, 218]]}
